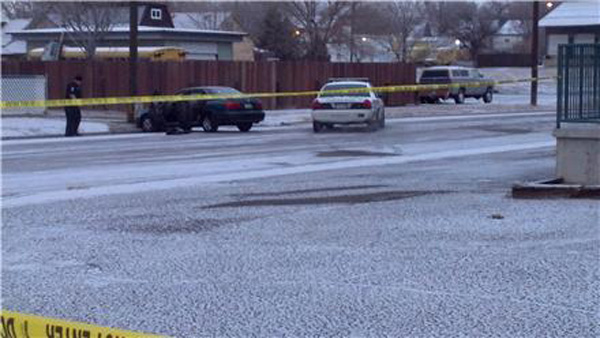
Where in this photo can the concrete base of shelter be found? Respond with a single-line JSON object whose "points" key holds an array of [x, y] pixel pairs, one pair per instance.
{"points": [[555, 188], [578, 153]]}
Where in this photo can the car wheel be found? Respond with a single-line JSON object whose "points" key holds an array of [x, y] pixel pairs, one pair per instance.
{"points": [[244, 127], [209, 125], [488, 96], [317, 126], [460, 97], [374, 123], [147, 124]]}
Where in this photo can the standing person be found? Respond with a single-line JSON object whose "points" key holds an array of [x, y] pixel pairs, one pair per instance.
{"points": [[73, 113]]}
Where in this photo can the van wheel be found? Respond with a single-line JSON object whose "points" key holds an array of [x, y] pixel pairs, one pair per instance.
{"points": [[488, 96], [460, 97], [244, 127], [374, 124], [209, 125]]}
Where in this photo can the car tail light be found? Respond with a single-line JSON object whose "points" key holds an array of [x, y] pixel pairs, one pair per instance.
{"points": [[366, 104], [318, 105], [231, 105]]}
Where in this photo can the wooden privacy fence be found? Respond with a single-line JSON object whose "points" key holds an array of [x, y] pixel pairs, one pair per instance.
{"points": [[504, 60], [111, 78]]}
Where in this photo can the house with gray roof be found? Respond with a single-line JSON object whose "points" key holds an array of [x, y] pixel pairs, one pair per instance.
{"points": [[571, 22], [155, 29], [11, 47]]}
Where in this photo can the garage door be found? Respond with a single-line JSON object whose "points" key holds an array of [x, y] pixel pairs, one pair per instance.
{"points": [[199, 51]]}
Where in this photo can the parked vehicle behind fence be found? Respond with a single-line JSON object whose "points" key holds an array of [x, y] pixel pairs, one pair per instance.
{"points": [[456, 75]]}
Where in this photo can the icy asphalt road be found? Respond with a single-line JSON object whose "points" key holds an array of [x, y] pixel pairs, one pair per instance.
{"points": [[281, 232]]}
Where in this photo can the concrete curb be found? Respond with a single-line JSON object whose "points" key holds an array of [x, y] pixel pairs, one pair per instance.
{"points": [[554, 188]]}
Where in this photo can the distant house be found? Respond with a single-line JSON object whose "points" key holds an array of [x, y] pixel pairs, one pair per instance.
{"points": [[376, 46], [571, 22], [13, 48], [511, 37], [156, 28]]}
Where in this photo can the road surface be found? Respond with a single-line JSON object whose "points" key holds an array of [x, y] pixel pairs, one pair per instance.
{"points": [[407, 231]]}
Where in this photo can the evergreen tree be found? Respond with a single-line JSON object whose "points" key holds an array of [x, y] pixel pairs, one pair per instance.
{"points": [[279, 36]]}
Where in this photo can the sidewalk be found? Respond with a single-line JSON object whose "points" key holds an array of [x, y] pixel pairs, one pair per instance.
{"points": [[19, 124]]}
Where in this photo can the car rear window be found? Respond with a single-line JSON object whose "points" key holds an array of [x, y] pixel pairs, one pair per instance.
{"points": [[435, 73], [343, 87]]}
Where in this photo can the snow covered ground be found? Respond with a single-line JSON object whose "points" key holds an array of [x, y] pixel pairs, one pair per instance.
{"points": [[547, 87], [37, 126], [283, 232]]}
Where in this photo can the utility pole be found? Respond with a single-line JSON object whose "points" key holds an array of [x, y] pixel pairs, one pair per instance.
{"points": [[133, 54], [534, 53], [352, 11]]}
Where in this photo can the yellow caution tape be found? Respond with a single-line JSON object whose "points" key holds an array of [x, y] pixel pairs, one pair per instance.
{"points": [[18, 325], [204, 97]]}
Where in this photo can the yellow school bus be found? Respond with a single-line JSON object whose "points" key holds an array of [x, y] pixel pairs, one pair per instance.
{"points": [[104, 53]]}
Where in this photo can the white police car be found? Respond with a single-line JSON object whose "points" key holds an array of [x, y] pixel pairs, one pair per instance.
{"points": [[347, 107]]}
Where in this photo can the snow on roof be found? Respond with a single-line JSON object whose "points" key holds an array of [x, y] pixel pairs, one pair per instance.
{"points": [[121, 29], [511, 27], [446, 68], [576, 13], [111, 49], [10, 45]]}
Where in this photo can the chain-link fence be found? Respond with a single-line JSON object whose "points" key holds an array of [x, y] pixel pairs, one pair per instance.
{"points": [[24, 88]]}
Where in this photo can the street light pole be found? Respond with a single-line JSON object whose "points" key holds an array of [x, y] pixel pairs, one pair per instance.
{"points": [[534, 53], [352, 12]]}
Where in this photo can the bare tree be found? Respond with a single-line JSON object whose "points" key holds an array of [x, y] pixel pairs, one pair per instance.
{"points": [[318, 22], [203, 15], [249, 16], [362, 19], [402, 18], [12, 9], [208, 20], [17, 9], [87, 23], [470, 22]]}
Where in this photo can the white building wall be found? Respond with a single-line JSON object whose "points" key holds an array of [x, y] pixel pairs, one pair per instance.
{"points": [[554, 40]]}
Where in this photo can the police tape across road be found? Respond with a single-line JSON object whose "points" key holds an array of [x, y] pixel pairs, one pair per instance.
{"points": [[204, 97], [18, 325]]}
